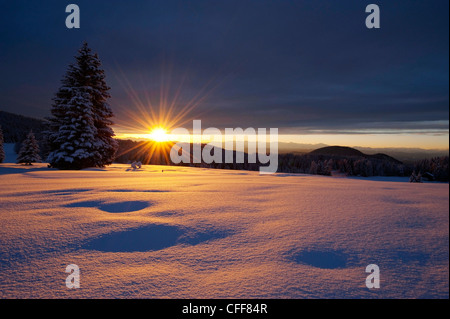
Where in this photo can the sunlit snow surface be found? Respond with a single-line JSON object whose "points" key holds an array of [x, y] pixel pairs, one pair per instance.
{"points": [[199, 233]]}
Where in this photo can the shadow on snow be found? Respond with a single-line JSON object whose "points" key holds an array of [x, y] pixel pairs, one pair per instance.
{"points": [[119, 207], [150, 238]]}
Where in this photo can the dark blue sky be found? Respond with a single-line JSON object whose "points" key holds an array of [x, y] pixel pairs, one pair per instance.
{"points": [[297, 65]]}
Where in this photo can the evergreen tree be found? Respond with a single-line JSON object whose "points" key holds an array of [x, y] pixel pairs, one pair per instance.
{"points": [[2, 150], [84, 138], [313, 168], [76, 138], [29, 152]]}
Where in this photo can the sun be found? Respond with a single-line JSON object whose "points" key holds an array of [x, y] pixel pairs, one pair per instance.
{"points": [[159, 135]]}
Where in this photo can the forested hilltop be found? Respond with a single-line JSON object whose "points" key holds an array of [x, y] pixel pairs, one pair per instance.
{"points": [[16, 127]]}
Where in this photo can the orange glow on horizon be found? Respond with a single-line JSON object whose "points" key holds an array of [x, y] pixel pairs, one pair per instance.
{"points": [[423, 141]]}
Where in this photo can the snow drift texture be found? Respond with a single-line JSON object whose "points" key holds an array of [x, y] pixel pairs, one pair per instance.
{"points": [[198, 233]]}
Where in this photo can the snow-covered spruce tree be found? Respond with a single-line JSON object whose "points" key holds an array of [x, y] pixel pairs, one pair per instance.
{"points": [[102, 111], [29, 152], [80, 134], [77, 141], [2, 150]]}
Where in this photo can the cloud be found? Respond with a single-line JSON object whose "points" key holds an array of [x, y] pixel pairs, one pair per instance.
{"points": [[299, 65]]}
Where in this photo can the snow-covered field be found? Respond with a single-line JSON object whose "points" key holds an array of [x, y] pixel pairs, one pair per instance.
{"points": [[199, 233]]}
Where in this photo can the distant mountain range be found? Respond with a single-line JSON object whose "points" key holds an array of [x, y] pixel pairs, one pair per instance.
{"points": [[405, 155], [343, 151]]}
